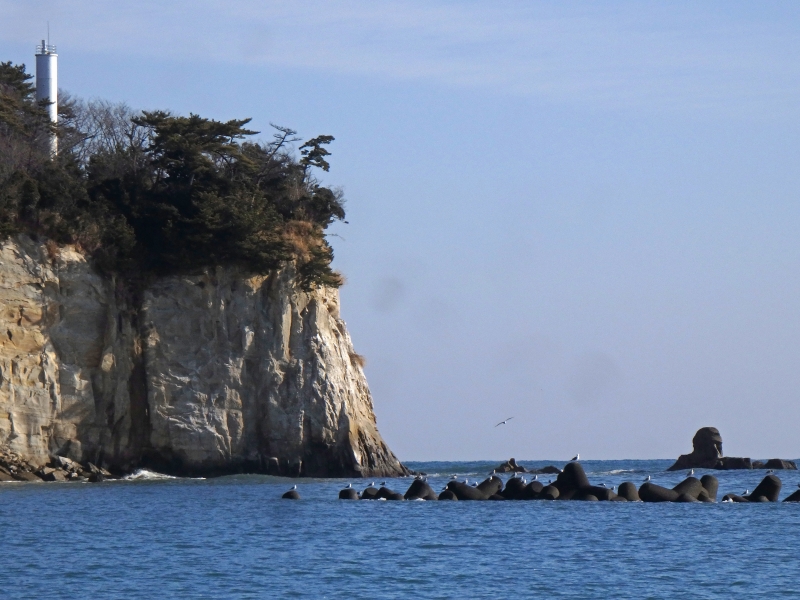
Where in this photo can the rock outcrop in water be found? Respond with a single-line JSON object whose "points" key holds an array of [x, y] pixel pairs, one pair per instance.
{"points": [[213, 373], [707, 454]]}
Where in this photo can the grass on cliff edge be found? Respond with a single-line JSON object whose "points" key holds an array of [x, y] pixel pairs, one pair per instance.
{"points": [[152, 193]]}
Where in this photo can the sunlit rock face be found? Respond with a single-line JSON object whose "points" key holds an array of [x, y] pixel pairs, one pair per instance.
{"points": [[214, 373]]}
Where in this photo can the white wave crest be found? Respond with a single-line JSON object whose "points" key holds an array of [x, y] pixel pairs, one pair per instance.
{"points": [[146, 475]]}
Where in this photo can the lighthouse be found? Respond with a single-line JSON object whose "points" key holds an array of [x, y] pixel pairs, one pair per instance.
{"points": [[47, 85]]}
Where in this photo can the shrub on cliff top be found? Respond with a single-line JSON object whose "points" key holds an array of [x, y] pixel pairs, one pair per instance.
{"points": [[158, 193]]}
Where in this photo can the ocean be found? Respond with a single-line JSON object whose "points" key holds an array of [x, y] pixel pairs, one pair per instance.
{"points": [[234, 537]]}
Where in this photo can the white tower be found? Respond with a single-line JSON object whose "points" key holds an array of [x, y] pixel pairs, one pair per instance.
{"points": [[47, 84]]}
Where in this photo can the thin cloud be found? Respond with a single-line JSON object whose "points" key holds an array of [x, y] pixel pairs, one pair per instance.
{"points": [[681, 57]]}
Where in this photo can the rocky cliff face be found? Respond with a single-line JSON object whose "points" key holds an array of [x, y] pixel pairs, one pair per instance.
{"points": [[215, 373]]}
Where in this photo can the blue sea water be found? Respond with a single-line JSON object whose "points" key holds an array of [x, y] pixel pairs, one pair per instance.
{"points": [[233, 537]]}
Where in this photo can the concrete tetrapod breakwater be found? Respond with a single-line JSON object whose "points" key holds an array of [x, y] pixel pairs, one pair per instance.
{"points": [[571, 484]]}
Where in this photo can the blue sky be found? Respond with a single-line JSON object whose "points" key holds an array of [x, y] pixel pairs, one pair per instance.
{"points": [[582, 215]]}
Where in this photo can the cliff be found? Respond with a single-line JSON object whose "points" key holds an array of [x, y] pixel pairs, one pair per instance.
{"points": [[214, 373]]}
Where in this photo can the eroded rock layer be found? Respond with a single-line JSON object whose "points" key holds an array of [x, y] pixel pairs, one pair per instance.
{"points": [[215, 373]]}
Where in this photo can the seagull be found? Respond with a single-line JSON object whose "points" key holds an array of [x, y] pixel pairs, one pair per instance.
{"points": [[349, 485], [746, 492], [294, 487], [576, 457], [504, 422], [453, 476], [535, 477], [770, 472], [474, 484], [647, 478], [372, 484], [691, 472], [383, 484]]}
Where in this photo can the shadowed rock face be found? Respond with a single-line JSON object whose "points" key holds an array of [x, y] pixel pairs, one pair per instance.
{"points": [[213, 373], [707, 454]]}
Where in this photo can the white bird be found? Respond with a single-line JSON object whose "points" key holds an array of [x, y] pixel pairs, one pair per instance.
{"points": [[474, 484], [383, 484], [746, 492], [535, 477], [504, 422], [576, 457], [372, 484], [349, 485], [453, 476], [466, 481], [691, 472], [647, 478], [294, 487]]}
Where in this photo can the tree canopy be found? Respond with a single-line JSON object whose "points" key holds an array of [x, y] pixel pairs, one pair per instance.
{"points": [[158, 193]]}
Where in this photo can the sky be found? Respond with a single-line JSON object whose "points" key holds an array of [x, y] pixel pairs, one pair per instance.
{"points": [[583, 215]]}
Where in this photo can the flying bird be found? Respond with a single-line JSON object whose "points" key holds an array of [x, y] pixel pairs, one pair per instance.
{"points": [[504, 422]]}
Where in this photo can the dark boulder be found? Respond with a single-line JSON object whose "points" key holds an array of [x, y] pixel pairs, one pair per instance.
{"points": [[686, 498], [599, 492], [571, 479], [734, 463], [690, 486], [465, 491], [492, 485], [54, 475], [383, 493], [650, 492], [711, 486], [370, 493], [495, 497], [628, 491], [448, 495], [26, 476], [419, 488], [734, 498], [769, 488], [548, 470], [619, 499], [706, 452], [514, 490], [550, 492], [795, 497], [395, 496], [291, 495], [532, 490], [5, 476], [348, 494], [778, 464], [589, 498], [510, 466]]}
